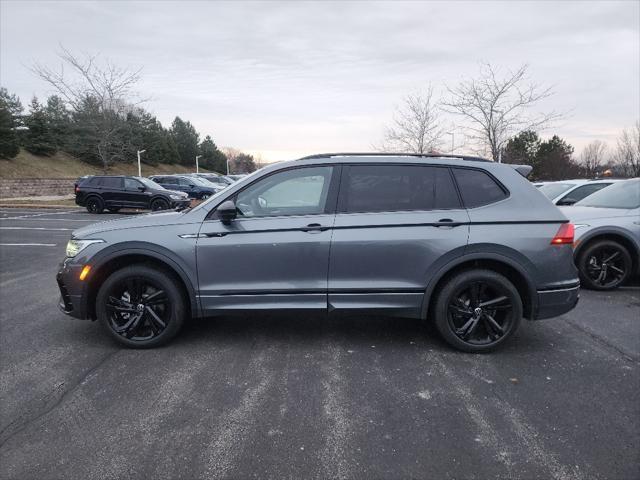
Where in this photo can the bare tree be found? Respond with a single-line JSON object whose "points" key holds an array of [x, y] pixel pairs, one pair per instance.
{"points": [[627, 154], [100, 93], [416, 125], [593, 156], [497, 107]]}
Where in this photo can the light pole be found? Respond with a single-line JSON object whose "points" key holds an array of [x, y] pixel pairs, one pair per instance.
{"points": [[139, 168], [452, 140], [227, 165], [197, 168]]}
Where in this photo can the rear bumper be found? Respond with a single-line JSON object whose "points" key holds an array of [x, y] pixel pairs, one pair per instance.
{"points": [[552, 303]]}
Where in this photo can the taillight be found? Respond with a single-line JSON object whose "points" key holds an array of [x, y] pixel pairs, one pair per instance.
{"points": [[564, 235], [77, 188]]}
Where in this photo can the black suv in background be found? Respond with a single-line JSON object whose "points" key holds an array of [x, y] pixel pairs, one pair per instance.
{"points": [[115, 192], [193, 186]]}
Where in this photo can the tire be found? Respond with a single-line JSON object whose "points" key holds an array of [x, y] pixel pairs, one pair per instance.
{"points": [[113, 209], [159, 204], [118, 306], [465, 323], [95, 205], [205, 196], [604, 265]]}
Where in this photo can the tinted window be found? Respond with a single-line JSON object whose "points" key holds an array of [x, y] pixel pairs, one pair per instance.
{"points": [[185, 182], [477, 187], [169, 181], [619, 195], [301, 191], [552, 190], [111, 182], [131, 184], [93, 181], [388, 188], [583, 192]]}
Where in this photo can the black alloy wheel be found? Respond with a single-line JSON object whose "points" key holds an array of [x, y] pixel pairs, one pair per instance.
{"points": [[604, 265], [159, 204], [95, 205], [477, 310], [141, 306]]}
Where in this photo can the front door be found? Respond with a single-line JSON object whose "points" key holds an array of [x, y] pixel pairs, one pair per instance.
{"points": [[275, 254], [135, 194], [395, 226]]}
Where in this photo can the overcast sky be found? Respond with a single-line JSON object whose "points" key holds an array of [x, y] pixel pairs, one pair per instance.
{"points": [[289, 78]]}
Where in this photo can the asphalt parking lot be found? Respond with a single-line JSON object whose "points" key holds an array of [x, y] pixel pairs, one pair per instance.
{"points": [[290, 397]]}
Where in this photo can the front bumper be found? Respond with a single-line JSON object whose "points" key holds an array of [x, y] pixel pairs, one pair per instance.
{"points": [[72, 302], [181, 204], [552, 303]]}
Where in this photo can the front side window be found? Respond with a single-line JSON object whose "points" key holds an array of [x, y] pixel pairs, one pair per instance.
{"points": [[131, 184], [301, 191], [389, 188], [477, 187], [579, 193], [184, 182], [169, 181]]}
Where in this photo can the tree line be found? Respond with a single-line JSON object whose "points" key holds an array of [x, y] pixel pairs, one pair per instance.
{"points": [[96, 116], [496, 113]]}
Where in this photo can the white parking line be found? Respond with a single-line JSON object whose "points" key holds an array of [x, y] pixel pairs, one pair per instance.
{"points": [[39, 215], [60, 219], [36, 228], [28, 244]]}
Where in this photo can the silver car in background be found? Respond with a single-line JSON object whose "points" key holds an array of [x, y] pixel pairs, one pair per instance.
{"points": [[607, 235]]}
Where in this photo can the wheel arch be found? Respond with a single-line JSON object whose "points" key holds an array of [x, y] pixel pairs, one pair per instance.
{"points": [[117, 259], [491, 261], [614, 235]]}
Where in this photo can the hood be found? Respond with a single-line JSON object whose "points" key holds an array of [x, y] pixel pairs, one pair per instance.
{"points": [[134, 221], [578, 214]]}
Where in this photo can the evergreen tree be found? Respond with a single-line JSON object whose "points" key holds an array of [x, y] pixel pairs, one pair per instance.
{"points": [[522, 149], [59, 120], [212, 157], [37, 138], [554, 160], [10, 119], [186, 141]]}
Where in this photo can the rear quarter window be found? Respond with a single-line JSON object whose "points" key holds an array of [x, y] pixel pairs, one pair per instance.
{"points": [[478, 188]]}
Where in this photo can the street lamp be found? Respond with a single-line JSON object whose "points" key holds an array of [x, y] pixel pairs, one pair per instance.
{"points": [[452, 142], [139, 168], [197, 168], [227, 165]]}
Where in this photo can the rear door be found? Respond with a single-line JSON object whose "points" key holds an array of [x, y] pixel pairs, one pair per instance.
{"points": [[395, 225], [111, 190]]}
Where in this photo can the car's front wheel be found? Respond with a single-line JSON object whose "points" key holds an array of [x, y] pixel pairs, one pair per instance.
{"points": [[205, 196], [477, 310], [140, 306], [159, 204], [604, 265]]}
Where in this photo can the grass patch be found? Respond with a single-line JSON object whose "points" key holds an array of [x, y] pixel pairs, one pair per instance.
{"points": [[63, 165]]}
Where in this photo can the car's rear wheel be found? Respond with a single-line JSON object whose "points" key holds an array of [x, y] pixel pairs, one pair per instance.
{"points": [[95, 205], [604, 265], [141, 307], [159, 204], [477, 310]]}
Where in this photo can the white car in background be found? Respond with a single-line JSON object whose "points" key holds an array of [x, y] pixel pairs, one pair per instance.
{"points": [[568, 192]]}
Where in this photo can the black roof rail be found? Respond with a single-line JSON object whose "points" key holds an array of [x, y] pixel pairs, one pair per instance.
{"points": [[386, 154]]}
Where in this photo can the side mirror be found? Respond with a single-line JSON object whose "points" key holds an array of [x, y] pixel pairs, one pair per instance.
{"points": [[227, 211], [192, 185], [142, 189]]}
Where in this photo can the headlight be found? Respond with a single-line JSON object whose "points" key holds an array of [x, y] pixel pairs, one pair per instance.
{"points": [[75, 246], [581, 225], [176, 197]]}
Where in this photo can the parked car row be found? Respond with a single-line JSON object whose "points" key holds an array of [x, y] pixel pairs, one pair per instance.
{"points": [[158, 192]]}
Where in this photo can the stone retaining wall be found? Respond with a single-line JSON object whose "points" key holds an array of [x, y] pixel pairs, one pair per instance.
{"points": [[27, 187]]}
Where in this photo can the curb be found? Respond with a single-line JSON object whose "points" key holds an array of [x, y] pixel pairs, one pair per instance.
{"points": [[35, 205]]}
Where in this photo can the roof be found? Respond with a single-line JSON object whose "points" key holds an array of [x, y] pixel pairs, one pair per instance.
{"points": [[395, 155]]}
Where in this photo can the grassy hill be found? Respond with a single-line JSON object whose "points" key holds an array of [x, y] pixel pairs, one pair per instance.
{"points": [[63, 165]]}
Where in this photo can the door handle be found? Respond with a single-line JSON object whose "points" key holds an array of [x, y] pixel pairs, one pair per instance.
{"points": [[446, 223], [314, 227]]}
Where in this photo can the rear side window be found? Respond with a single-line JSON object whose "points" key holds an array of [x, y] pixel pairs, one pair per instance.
{"points": [[389, 188], [110, 182], [94, 181], [477, 187]]}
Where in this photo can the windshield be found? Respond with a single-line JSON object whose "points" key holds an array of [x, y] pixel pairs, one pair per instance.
{"points": [[552, 190], [619, 195], [150, 183]]}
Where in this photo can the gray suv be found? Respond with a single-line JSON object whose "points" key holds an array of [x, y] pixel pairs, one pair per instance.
{"points": [[463, 242]]}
